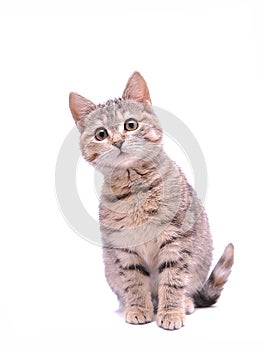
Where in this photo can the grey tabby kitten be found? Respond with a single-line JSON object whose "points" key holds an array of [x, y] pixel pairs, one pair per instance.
{"points": [[157, 246]]}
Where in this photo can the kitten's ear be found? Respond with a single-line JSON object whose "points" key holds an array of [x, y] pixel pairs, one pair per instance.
{"points": [[137, 89], [80, 106]]}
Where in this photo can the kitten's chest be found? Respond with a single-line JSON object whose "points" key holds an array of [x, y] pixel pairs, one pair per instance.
{"points": [[131, 205], [149, 251]]}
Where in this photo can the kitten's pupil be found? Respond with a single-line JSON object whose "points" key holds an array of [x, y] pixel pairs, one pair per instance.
{"points": [[131, 124], [101, 134]]}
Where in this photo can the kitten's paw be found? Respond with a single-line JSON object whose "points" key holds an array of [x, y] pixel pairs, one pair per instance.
{"points": [[189, 306], [173, 319], [138, 315]]}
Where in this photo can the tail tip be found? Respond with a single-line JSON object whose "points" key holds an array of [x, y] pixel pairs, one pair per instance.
{"points": [[229, 255], [213, 287]]}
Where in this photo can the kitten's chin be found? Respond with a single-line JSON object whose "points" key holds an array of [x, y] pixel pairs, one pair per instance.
{"points": [[124, 160]]}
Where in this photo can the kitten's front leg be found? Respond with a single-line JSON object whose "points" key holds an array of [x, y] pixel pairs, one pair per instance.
{"points": [[171, 293], [138, 303], [129, 279]]}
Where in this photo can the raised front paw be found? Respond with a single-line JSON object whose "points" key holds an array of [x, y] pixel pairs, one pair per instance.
{"points": [[138, 315], [172, 319]]}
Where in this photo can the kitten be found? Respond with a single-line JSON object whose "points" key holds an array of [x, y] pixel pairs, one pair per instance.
{"points": [[157, 247]]}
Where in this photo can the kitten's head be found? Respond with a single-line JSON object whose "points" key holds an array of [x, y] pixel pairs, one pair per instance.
{"points": [[121, 131]]}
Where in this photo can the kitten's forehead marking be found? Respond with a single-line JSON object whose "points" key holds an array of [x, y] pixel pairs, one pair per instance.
{"points": [[113, 114], [111, 102]]}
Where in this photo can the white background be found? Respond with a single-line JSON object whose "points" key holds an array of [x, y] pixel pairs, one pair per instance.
{"points": [[202, 61]]}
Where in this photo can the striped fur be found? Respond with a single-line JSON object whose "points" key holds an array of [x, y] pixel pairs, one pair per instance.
{"points": [[157, 247]]}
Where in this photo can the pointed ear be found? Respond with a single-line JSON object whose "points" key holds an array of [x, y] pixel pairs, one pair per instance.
{"points": [[80, 106], [137, 89]]}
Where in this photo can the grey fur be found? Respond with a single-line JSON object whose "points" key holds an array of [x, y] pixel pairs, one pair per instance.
{"points": [[157, 243]]}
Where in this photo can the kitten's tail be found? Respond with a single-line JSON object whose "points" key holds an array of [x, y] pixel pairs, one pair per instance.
{"points": [[213, 287]]}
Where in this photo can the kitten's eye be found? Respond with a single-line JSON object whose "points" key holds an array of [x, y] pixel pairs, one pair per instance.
{"points": [[131, 124], [101, 134]]}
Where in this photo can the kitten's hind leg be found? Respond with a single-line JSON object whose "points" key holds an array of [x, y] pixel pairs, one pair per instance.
{"points": [[189, 305]]}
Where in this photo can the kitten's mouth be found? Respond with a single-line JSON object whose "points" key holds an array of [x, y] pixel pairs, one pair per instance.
{"points": [[121, 154], [124, 154]]}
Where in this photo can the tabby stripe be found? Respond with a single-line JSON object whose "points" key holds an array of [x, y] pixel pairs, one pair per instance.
{"points": [[132, 286], [152, 185], [186, 251], [138, 305], [129, 174], [173, 263], [92, 157], [184, 267], [114, 199], [167, 264], [169, 241], [137, 267], [156, 182], [125, 250], [137, 172], [171, 306], [124, 195], [119, 219], [174, 286]]}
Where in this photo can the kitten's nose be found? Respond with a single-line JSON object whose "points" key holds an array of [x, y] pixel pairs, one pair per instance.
{"points": [[118, 143]]}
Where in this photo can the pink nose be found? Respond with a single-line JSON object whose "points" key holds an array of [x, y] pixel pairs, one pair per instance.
{"points": [[118, 143]]}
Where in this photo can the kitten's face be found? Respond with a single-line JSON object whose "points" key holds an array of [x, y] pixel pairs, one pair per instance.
{"points": [[119, 134]]}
